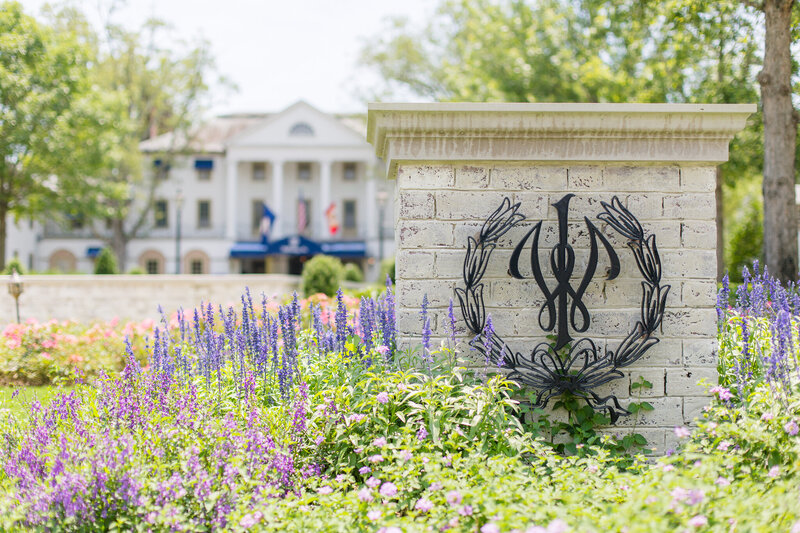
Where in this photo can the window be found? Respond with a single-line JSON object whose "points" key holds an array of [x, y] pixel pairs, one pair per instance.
{"points": [[256, 214], [350, 171], [304, 171], [151, 266], [301, 129], [204, 214], [197, 266], [160, 214], [75, 221], [349, 208], [204, 168], [162, 169], [259, 171]]}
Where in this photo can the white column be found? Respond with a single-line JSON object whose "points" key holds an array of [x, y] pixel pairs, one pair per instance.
{"points": [[275, 203], [324, 195], [370, 223], [231, 178]]}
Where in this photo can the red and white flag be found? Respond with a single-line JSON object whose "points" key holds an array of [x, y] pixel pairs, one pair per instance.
{"points": [[302, 214], [333, 220]]}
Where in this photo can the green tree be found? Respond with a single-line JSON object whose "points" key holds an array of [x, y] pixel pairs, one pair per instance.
{"points": [[582, 50], [106, 263], [52, 126], [164, 84]]}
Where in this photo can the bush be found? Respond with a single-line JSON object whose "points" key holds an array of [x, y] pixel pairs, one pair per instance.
{"points": [[13, 264], [387, 268], [352, 272], [136, 271], [106, 263], [322, 273]]}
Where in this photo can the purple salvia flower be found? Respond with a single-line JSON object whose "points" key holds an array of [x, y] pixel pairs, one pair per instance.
{"points": [[389, 325], [488, 339], [341, 321], [452, 323], [426, 328], [722, 298]]}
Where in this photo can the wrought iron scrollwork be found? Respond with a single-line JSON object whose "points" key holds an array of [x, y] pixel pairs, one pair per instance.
{"points": [[568, 365]]}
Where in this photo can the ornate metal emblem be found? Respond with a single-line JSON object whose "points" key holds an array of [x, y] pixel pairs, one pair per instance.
{"points": [[566, 365]]}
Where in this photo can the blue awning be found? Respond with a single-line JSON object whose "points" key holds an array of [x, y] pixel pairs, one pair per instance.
{"points": [[202, 164], [93, 251], [345, 248], [298, 245], [248, 249]]}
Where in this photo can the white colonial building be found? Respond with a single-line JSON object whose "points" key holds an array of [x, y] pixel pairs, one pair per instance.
{"points": [[315, 173]]}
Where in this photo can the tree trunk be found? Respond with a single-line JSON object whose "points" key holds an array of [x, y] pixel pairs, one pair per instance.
{"points": [[780, 132], [3, 236], [119, 244], [720, 227]]}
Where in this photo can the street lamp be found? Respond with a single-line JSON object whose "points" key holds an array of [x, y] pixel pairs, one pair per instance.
{"points": [[381, 196], [15, 288], [178, 206]]}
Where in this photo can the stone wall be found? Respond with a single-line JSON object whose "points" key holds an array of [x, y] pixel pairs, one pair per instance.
{"points": [[455, 165], [90, 297]]}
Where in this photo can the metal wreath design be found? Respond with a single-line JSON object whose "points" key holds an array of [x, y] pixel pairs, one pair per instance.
{"points": [[580, 367]]}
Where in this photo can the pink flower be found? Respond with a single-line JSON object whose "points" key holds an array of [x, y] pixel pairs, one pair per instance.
{"points": [[767, 416], [682, 432], [796, 527], [490, 528], [406, 455], [319, 440], [465, 511], [365, 495], [373, 482], [774, 471], [382, 397], [374, 515], [388, 490], [723, 481], [341, 478], [383, 350], [377, 458], [557, 526], [667, 468], [249, 520], [435, 486], [423, 505], [454, 497], [379, 442], [724, 445], [698, 521], [695, 496], [324, 490], [364, 470], [791, 428], [721, 392], [592, 469], [679, 494]]}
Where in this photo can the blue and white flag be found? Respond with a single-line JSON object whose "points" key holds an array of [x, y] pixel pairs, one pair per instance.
{"points": [[267, 221]]}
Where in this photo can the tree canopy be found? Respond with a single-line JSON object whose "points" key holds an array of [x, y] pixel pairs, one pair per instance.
{"points": [[587, 51]]}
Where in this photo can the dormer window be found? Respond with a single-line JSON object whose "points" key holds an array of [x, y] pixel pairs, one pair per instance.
{"points": [[301, 129]]}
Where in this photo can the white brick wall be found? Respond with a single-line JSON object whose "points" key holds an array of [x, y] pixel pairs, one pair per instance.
{"points": [[454, 163], [442, 205]]}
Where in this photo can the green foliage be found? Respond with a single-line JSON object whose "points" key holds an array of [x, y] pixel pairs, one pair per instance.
{"points": [[352, 272], [106, 263], [136, 271], [322, 273], [387, 269], [745, 236], [12, 265]]}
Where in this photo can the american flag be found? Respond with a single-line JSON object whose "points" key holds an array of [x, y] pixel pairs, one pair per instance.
{"points": [[302, 214]]}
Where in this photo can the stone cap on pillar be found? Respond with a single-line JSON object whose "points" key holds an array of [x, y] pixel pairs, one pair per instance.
{"points": [[465, 132]]}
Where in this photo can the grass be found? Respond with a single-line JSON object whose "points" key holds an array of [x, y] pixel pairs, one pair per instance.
{"points": [[20, 405]]}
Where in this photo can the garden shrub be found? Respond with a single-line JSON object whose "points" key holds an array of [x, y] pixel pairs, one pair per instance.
{"points": [[352, 272], [12, 265], [106, 262], [322, 273], [387, 269]]}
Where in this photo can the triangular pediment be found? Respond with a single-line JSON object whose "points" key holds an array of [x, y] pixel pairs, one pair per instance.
{"points": [[300, 124]]}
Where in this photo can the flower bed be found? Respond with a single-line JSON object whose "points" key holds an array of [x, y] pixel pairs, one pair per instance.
{"points": [[302, 420]]}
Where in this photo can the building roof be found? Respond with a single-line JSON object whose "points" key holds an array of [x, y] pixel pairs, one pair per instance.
{"points": [[214, 135]]}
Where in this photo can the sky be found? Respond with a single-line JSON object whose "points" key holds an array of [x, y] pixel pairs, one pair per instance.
{"points": [[277, 51]]}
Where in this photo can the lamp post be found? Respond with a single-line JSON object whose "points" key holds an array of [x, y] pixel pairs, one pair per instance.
{"points": [[381, 196], [178, 206], [15, 288]]}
